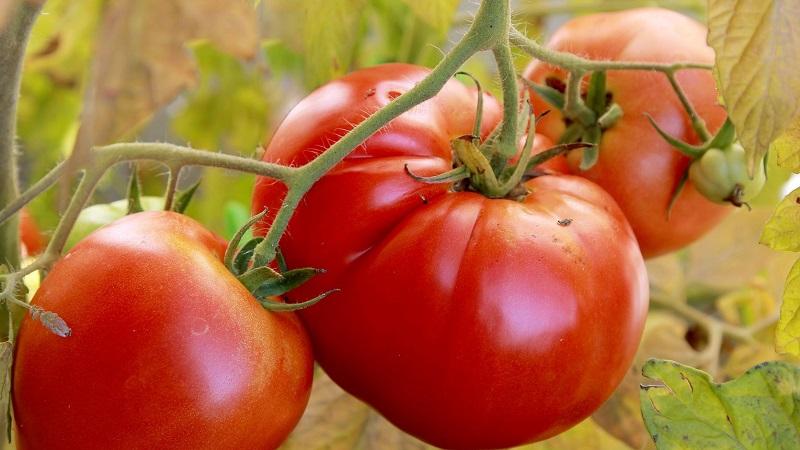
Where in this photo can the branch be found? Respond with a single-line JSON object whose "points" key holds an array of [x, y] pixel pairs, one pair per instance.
{"points": [[571, 62], [13, 38]]}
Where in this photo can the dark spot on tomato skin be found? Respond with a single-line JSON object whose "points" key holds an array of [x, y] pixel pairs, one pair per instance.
{"points": [[564, 222]]}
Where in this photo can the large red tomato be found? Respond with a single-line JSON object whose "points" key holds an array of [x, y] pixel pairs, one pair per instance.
{"points": [[468, 322], [636, 166], [168, 349]]}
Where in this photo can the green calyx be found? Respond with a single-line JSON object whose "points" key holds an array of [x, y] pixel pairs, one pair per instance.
{"points": [[719, 167], [721, 176], [264, 282], [586, 115]]}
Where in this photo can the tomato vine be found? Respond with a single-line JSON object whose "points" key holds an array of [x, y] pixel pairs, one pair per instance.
{"points": [[491, 30]]}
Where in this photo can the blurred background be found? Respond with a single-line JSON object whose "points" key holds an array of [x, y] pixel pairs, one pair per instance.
{"points": [[219, 77]]}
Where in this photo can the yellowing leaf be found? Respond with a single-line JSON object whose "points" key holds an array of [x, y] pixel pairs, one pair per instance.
{"points": [[787, 335], [759, 410], [323, 31], [756, 43], [437, 13], [730, 256], [334, 420], [142, 62], [782, 231], [787, 148], [586, 434]]}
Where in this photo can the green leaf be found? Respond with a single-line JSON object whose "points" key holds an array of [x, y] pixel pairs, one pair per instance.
{"points": [[755, 45], [787, 148], [787, 334], [782, 231], [436, 13], [759, 410]]}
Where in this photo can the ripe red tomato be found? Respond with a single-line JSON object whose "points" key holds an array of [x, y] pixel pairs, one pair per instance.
{"points": [[466, 321], [33, 241], [636, 166], [168, 349]]}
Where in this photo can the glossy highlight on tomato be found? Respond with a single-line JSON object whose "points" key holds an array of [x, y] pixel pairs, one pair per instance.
{"points": [[636, 166], [468, 322], [168, 349]]}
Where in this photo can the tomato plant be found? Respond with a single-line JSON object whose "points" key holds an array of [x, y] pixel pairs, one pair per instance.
{"points": [[469, 322], [167, 350], [637, 166]]}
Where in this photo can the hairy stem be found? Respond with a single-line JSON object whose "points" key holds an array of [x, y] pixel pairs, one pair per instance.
{"points": [[13, 38], [571, 62], [507, 138], [485, 33], [172, 186]]}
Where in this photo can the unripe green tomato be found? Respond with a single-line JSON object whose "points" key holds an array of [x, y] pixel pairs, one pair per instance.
{"points": [[103, 214], [721, 176]]}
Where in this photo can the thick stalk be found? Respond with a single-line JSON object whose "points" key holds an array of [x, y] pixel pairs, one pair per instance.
{"points": [[13, 38], [485, 33]]}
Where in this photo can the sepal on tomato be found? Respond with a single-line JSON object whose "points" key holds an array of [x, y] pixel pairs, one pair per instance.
{"points": [[264, 281]]}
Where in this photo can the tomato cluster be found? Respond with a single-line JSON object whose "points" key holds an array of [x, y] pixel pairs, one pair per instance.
{"points": [[467, 321], [636, 165]]}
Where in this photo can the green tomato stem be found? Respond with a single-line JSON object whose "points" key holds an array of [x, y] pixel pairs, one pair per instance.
{"points": [[488, 31], [13, 39], [507, 139], [571, 62], [698, 124], [172, 186]]}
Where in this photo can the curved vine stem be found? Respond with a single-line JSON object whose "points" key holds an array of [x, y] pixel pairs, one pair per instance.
{"points": [[577, 66], [484, 34]]}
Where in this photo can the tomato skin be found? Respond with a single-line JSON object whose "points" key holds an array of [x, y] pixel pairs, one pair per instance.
{"points": [[32, 239], [98, 215], [636, 166], [168, 349], [467, 322]]}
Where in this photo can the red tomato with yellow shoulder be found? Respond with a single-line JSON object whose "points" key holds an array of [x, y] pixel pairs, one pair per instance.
{"points": [[636, 165], [167, 348], [468, 322]]}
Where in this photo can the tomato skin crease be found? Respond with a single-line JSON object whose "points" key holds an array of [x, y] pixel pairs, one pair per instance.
{"points": [[468, 322], [636, 166], [168, 349]]}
